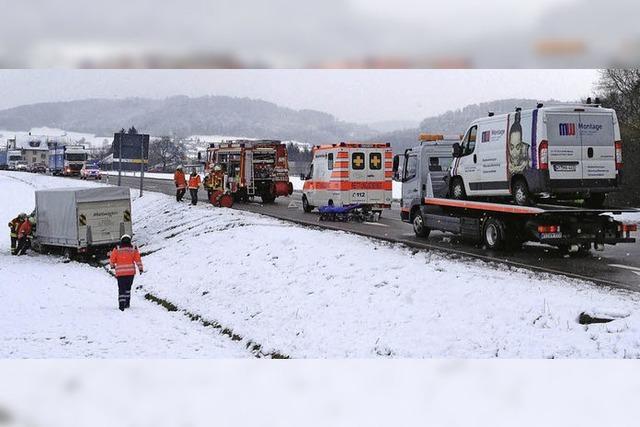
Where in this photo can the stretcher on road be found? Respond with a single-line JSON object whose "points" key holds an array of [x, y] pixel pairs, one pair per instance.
{"points": [[345, 213]]}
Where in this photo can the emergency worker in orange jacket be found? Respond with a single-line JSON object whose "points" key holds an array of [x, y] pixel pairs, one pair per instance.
{"points": [[124, 259], [194, 185], [25, 234], [181, 183], [14, 226]]}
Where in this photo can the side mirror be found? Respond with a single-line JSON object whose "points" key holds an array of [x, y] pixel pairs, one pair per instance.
{"points": [[303, 177], [457, 150], [396, 163]]}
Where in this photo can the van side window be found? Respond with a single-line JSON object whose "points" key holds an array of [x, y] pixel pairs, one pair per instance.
{"points": [[410, 170], [357, 161], [470, 143], [375, 161], [330, 161]]}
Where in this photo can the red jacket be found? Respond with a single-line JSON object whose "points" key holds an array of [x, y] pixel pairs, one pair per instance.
{"points": [[25, 229], [179, 179], [194, 182], [124, 259]]}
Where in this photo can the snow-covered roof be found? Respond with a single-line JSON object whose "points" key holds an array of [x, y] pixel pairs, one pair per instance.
{"points": [[31, 143]]}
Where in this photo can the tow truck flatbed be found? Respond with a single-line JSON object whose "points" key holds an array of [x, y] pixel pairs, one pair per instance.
{"points": [[500, 225]]}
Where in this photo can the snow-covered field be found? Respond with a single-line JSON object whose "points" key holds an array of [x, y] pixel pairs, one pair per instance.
{"points": [[53, 309], [317, 293]]}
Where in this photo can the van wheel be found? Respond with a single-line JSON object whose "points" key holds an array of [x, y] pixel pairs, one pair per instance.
{"points": [[419, 228], [457, 189], [305, 205], [521, 194], [268, 198], [493, 234], [595, 200]]}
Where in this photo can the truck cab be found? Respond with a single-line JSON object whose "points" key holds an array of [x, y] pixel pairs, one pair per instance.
{"points": [[429, 161]]}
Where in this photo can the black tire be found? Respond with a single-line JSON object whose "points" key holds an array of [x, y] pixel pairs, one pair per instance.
{"points": [[457, 190], [595, 200], [268, 198], [419, 227], [493, 235], [305, 205], [521, 194]]}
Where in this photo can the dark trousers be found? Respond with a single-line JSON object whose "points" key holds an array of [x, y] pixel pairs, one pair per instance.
{"points": [[180, 193], [23, 245], [124, 291], [14, 243], [194, 195]]}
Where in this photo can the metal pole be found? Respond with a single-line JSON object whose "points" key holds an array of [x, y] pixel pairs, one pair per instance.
{"points": [[141, 165], [120, 160]]}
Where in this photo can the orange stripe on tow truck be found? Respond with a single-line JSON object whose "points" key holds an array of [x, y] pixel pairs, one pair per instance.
{"points": [[341, 164], [388, 155], [388, 174], [493, 207], [388, 165], [342, 155]]}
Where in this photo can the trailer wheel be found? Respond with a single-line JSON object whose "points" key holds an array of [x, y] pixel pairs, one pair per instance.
{"points": [[493, 233], [305, 205], [419, 227], [457, 189]]}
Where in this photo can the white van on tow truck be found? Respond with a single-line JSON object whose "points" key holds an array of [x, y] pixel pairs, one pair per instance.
{"points": [[563, 152]]}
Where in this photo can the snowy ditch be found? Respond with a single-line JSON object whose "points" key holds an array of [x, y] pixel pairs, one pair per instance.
{"points": [[309, 293]]}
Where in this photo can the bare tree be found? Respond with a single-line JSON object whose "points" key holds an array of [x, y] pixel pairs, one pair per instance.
{"points": [[166, 151]]}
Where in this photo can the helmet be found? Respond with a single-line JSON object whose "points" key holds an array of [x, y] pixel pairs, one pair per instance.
{"points": [[22, 215], [126, 239], [217, 168], [179, 168]]}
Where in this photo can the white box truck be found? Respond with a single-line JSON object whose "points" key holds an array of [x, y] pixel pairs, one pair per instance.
{"points": [[563, 152], [82, 219]]}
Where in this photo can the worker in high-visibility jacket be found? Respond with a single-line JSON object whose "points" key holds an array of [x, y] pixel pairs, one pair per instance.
{"points": [[194, 185], [14, 226], [181, 183], [124, 259], [25, 233]]}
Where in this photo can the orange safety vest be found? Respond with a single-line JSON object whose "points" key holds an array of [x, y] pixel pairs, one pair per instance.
{"points": [[124, 259], [194, 182], [25, 229], [179, 179]]}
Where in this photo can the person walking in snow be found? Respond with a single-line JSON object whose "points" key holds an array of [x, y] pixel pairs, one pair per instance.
{"points": [[25, 233], [181, 183], [124, 259], [14, 226], [194, 185]]}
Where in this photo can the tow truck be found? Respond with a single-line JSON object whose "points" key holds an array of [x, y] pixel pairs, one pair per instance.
{"points": [[497, 225]]}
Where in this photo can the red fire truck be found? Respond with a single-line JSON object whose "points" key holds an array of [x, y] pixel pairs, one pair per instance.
{"points": [[252, 168]]}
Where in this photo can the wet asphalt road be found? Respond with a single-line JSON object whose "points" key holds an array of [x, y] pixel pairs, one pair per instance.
{"points": [[617, 266]]}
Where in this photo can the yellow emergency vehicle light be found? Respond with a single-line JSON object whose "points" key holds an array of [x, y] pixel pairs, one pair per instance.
{"points": [[431, 137]]}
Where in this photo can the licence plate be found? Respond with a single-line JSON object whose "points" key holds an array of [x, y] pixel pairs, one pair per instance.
{"points": [[564, 168], [551, 236]]}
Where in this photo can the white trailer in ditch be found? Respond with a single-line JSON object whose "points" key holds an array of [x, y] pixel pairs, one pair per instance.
{"points": [[81, 220]]}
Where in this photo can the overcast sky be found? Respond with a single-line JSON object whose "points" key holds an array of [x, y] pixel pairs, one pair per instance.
{"points": [[354, 95]]}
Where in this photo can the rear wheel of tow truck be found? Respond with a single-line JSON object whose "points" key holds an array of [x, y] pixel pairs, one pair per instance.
{"points": [[493, 234], [595, 200], [457, 189], [419, 227], [521, 194], [305, 205]]}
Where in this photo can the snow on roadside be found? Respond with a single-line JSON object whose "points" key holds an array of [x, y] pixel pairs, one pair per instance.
{"points": [[53, 309], [313, 293]]}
